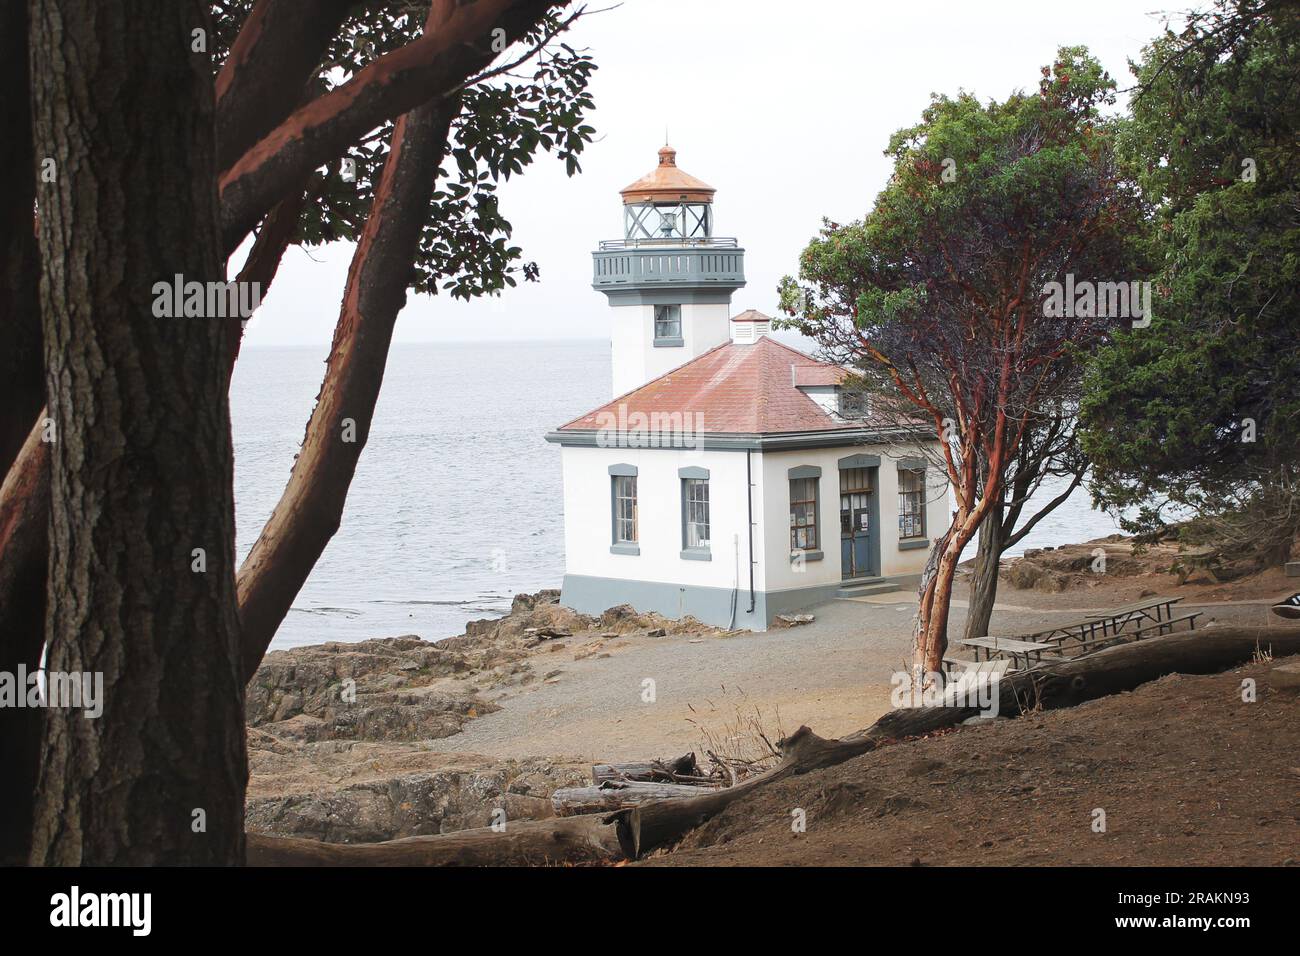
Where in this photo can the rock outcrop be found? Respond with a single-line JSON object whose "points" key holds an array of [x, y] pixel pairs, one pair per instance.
{"points": [[343, 737]]}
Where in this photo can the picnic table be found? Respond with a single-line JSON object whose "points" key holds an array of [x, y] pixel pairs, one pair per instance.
{"points": [[1097, 628], [1083, 629], [1156, 610], [1013, 647], [1102, 625]]}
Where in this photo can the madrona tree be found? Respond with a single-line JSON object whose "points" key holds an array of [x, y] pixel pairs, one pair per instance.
{"points": [[260, 125], [950, 295], [1198, 415]]}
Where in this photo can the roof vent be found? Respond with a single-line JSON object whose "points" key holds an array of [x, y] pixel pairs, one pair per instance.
{"points": [[750, 326]]}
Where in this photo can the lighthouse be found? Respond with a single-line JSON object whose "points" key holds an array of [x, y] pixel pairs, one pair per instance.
{"points": [[669, 279], [732, 477]]}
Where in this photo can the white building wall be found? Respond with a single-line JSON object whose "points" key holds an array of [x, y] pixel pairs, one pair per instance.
{"points": [[588, 530], [659, 578], [636, 360], [781, 574]]}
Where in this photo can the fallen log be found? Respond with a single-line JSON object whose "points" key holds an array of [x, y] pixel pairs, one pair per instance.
{"points": [[617, 795], [586, 839], [631, 833], [665, 770]]}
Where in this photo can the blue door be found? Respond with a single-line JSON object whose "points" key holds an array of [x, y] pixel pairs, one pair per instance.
{"points": [[859, 533]]}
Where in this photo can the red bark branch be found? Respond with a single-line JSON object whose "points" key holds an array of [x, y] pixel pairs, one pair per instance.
{"points": [[24, 545], [271, 62], [263, 262], [311, 507], [457, 43]]}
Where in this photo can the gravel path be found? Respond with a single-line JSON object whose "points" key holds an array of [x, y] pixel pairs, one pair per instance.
{"points": [[832, 674]]}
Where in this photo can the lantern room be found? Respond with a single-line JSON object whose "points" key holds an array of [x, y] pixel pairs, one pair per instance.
{"points": [[669, 278], [667, 205]]}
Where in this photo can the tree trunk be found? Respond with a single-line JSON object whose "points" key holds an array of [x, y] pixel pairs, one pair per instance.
{"points": [[311, 507], [984, 579], [141, 468], [930, 639]]}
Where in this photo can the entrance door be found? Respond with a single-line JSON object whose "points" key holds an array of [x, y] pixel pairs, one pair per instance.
{"points": [[857, 522]]}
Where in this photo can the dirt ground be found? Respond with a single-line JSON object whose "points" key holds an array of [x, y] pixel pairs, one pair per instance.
{"points": [[1184, 770], [833, 675]]}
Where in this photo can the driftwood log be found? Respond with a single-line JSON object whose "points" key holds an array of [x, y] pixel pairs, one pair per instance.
{"points": [[617, 795], [588, 839], [630, 833], [662, 770]]}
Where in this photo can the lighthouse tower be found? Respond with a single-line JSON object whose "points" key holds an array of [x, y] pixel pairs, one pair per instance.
{"points": [[669, 279]]}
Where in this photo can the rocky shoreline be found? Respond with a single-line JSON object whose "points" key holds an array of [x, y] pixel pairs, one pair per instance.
{"points": [[343, 737]]}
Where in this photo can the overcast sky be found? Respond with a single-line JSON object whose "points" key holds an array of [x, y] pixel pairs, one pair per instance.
{"points": [[784, 108]]}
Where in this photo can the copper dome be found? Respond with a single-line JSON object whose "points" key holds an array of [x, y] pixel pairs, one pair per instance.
{"points": [[667, 183]]}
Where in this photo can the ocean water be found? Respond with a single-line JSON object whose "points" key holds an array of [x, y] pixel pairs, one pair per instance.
{"points": [[456, 503]]}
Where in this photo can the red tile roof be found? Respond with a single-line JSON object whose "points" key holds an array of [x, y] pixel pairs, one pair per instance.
{"points": [[819, 374], [738, 388]]}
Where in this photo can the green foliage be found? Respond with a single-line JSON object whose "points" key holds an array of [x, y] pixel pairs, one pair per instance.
{"points": [[505, 123], [942, 284], [1168, 409]]}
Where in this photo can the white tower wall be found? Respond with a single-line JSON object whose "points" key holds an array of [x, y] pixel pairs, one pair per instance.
{"points": [[636, 358]]}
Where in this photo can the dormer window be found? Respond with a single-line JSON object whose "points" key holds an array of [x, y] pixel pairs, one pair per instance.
{"points": [[852, 404]]}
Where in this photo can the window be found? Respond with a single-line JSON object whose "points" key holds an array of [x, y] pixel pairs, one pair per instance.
{"points": [[852, 403], [695, 514], [911, 503], [624, 509], [668, 325], [803, 514]]}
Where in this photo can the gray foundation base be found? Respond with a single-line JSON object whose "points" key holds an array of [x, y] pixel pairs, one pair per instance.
{"points": [[592, 595]]}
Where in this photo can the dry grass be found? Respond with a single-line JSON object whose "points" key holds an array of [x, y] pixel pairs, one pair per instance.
{"points": [[738, 737]]}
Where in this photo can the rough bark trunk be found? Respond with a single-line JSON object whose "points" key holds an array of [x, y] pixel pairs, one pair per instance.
{"points": [[984, 577], [311, 507], [141, 469]]}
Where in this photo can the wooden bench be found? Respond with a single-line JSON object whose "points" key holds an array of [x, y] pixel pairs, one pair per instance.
{"points": [[1160, 626], [1137, 633], [1010, 647]]}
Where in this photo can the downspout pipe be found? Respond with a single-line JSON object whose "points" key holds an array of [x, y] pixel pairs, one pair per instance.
{"points": [[749, 497]]}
